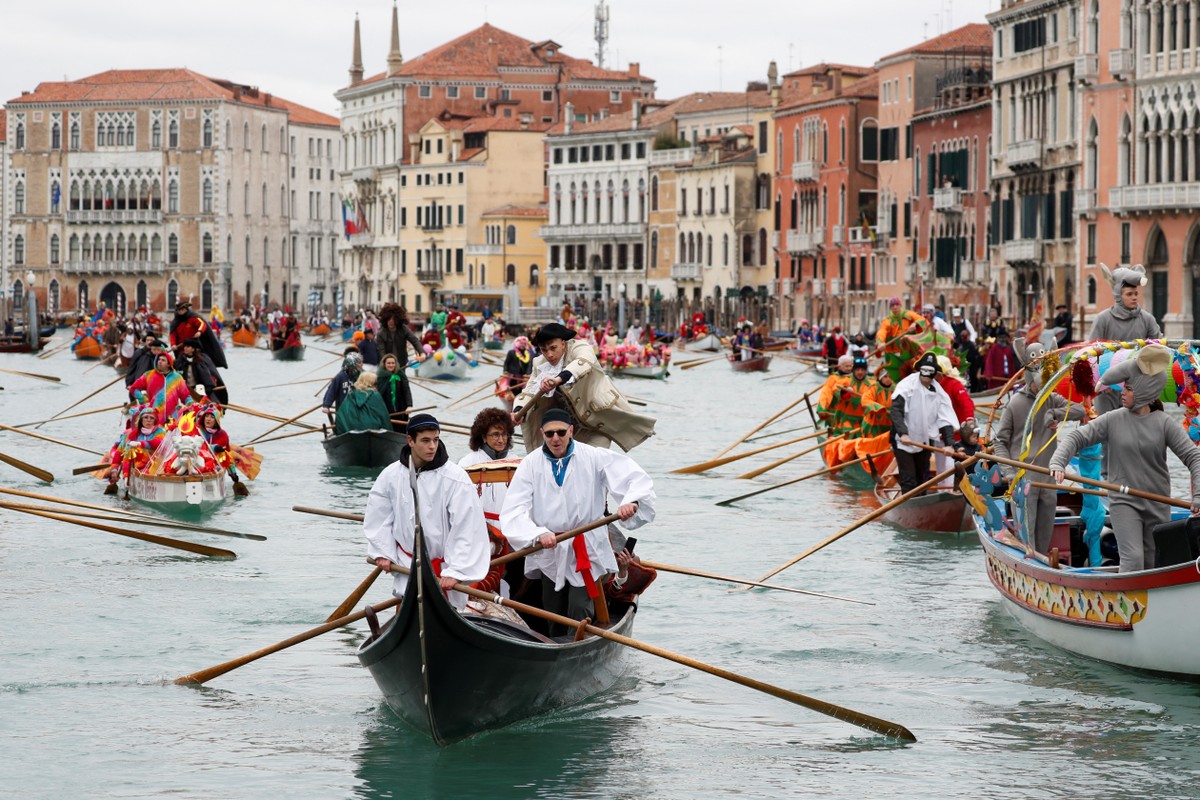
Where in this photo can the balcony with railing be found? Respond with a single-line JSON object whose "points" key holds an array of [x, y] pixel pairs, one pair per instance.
{"points": [[837, 235], [1023, 251], [805, 171], [115, 216], [948, 200], [429, 277], [1025, 154], [363, 239], [1154, 197], [126, 267], [364, 174], [805, 241], [864, 235], [1087, 67], [818, 287], [685, 272], [610, 230], [664, 158], [835, 286], [1085, 201], [1121, 63]]}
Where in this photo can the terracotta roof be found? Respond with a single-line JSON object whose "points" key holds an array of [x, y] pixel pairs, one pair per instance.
{"points": [[825, 66], [976, 35], [863, 87], [146, 85], [518, 211], [513, 123], [662, 112], [470, 56], [699, 102]]}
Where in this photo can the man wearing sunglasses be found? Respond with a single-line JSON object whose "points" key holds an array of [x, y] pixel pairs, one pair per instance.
{"points": [[563, 485]]}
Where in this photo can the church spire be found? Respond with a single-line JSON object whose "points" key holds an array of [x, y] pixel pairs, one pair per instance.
{"points": [[356, 65], [394, 59]]}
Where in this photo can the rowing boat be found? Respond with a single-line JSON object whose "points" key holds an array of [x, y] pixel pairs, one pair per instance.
{"points": [[245, 337], [88, 348], [293, 353], [444, 364], [756, 364], [364, 448], [451, 675], [657, 372], [708, 342], [939, 511]]}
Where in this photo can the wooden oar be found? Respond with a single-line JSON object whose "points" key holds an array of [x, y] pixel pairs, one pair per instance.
{"points": [[101, 362], [1110, 487], [834, 468], [754, 584], [206, 675], [768, 421], [4, 427], [118, 517], [1062, 487], [272, 417], [280, 425], [762, 436], [137, 516], [288, 436], [326, 365], [842, 713], [876, 514], [351, 601], [178, 544], [79, 402], [717, 462], [71, 416], [756, 472], [418, 383], [472, 393], [32, 375], [290, 383], [58, 349], [87, 470], [701, 363], [37, 472]]}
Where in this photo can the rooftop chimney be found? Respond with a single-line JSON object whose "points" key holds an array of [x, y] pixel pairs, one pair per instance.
{"points": [[394, 59], [568, 118], [356, 65], [635, 69], [637, 113], [493, 52]]}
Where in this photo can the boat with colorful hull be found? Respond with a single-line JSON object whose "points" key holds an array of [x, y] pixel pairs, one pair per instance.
{"points": [[88, 348], [445, 365]]}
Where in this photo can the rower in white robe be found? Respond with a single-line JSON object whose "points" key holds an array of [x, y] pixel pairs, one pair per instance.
{"points": [[456, 540], [562, 485]]}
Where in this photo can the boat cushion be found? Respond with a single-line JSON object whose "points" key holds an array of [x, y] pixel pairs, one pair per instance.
{"points": [[1177, 542]]}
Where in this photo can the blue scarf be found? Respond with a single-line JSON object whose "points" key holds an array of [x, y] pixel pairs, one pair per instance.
{"points": [[558, 466]]}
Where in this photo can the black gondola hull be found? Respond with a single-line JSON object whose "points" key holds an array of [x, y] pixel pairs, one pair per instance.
{"points": [[462, 678], [294, 353], [364, 448]]}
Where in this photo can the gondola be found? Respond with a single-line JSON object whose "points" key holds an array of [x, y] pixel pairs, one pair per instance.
{"points": [[293, 353], [364, 448], [180, 494], [451, 675], [939, 511], [657, 372], [756, 364]]}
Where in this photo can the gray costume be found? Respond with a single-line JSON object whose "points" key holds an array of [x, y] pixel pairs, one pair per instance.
{"points": [[1136, 443], [1041, 503], [1119, 324]]}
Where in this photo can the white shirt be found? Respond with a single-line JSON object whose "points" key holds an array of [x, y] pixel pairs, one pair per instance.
{"points": [[491, 495], [451, 519], [536, 504], [926, 412]]}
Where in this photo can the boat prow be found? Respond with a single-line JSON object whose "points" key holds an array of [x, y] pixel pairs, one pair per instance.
{"points": [[451, 675], [180, 494]]}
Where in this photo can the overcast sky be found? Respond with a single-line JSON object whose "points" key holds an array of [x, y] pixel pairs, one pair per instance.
{"points": [[300, 49]]}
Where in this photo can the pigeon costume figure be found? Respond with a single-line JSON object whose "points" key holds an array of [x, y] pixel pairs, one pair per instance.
{"points": [[1124, 321], [1135, 439]]}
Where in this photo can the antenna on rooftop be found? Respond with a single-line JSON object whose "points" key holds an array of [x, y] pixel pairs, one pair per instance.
{"points": [[601, 31]]}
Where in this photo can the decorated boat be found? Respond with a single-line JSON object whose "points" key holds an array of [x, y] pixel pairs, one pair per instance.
{"points": [[364, 448], [444, 364], [451, 674], [938, 511], [179, 493], [760, 363]]}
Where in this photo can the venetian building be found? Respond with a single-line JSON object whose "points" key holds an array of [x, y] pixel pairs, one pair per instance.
{"points": [[1138, 69], [141, 187], [485, 74], [1035, 155]]}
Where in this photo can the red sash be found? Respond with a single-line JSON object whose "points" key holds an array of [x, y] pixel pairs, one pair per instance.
{"points": [[583, 566]]}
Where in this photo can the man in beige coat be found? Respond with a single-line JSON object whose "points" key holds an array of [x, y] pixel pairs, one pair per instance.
{"points": [[566, 375]]}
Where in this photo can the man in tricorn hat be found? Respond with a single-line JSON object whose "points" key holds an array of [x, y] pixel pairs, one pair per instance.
{"points": [[566, 375], [424, 483], [187, 324]]}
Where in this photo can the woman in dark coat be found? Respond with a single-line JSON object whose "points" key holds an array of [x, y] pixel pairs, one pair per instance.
{"points": [[395, 335], [392, 383]]}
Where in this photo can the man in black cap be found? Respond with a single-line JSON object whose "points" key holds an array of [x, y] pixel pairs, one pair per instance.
{"points": [[187, 324], [564, 485], [425, 482], [921, 411], [566, 375]]}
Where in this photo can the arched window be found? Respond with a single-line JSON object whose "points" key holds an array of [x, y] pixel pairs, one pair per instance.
{"points": [[653, 249], [868, 140], [1092, 162], [762, 247], [143, 294], [206, 134], [19, 198], [19, 249], [155, 248], [510, 234], [725, 250], [172, 197], [510, 274], [246, 198], [263, 137], [682, 255], [56, 136], [206, 200], [245, 135], [172, 249], [19, 136], [173, 136], [264, 196], [708, 251], [156, 135], [534, 279], [54, 295], [654, 193], [1091, 291], [18, 294], [206, 295], [172, 293], [74, 136], [747, 250]]}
